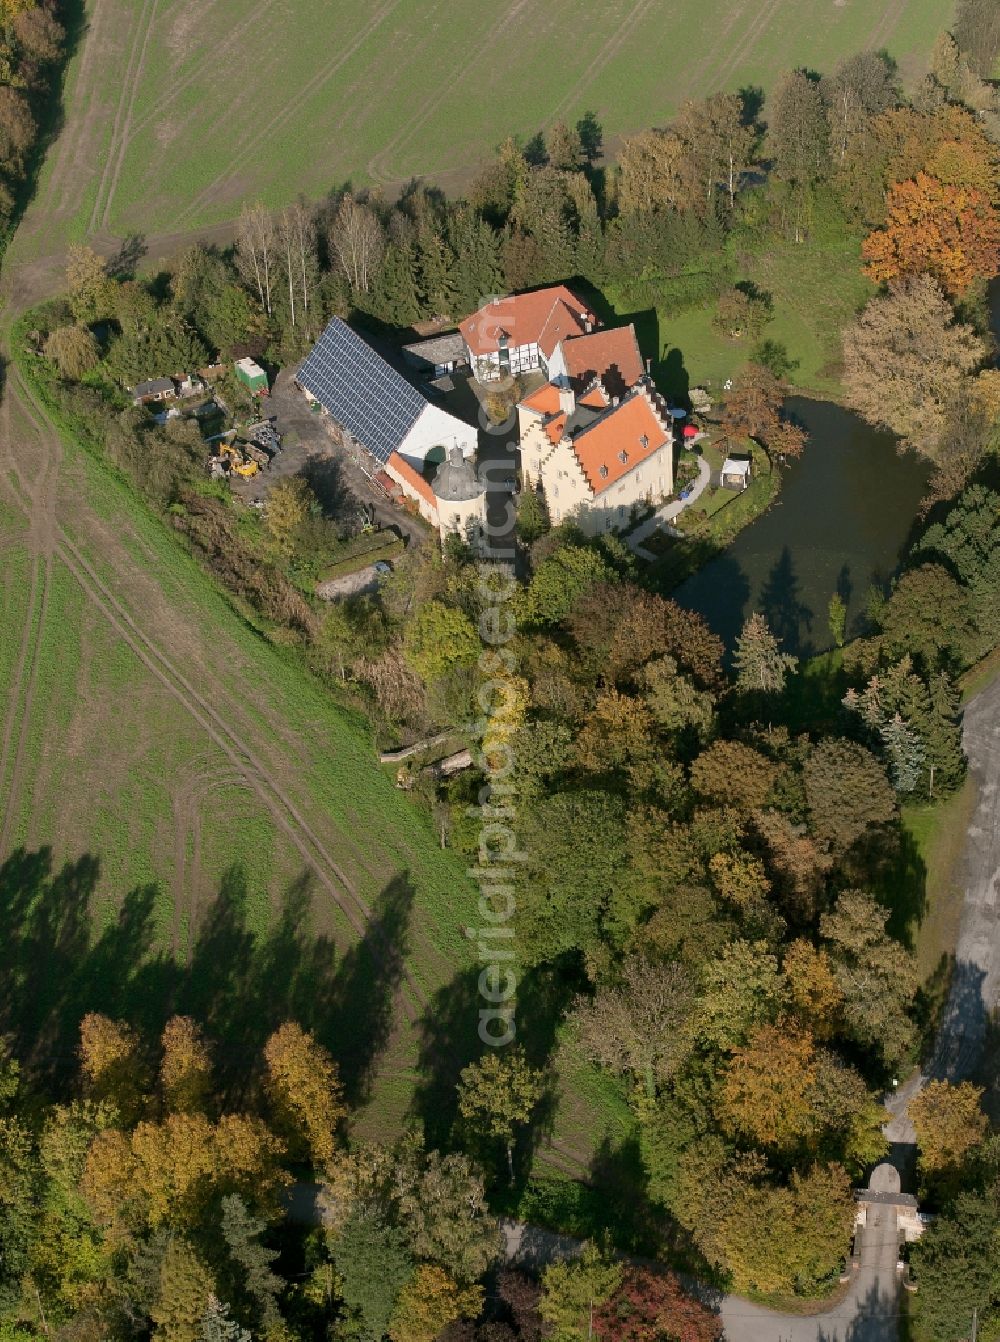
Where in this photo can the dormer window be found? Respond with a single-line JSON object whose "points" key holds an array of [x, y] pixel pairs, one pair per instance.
{"points": [[604, 472], [623, 456], [644, 442]]}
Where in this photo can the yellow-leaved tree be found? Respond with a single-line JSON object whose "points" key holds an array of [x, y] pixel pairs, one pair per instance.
{"points": [[305, 1090]]}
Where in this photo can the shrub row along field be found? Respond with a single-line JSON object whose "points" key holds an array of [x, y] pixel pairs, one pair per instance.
{"points": [[179, 110]]}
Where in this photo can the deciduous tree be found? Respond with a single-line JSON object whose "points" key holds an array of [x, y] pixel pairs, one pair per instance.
{"points": [[812, 986], [256, 247], [498, 1095], [428, 1302], [90, 288], [574, 1291], [304, 1088], [743, 989], [949, 1123], [111, 1064], [288, 505], [439, 639], [74, 350], [357, 242], [860, 88], [734, 774], [847, 792], [950, 232], [752, 408], [186, 1068], [651, 1306], [927, 616], [906, 360], [766, 1093], [875, 974], [639, 1022]]}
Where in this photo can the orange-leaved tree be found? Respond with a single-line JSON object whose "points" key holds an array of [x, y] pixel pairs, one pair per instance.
{"points": [[950, 232]]}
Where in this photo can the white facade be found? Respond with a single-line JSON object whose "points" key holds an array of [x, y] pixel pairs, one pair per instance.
{"points": [[574, 492], [499, 363], [569, 495], [436, 428]]}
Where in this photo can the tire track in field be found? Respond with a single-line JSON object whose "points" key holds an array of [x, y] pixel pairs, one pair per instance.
{"points": [[227, 738], [430, 106], [887, 22], [695, 76], [19, 694], [126, 129], [250, 145], [607, 53], [39, 503], [212, 57], [70, 139], [743, 48], [240, 754], [136, 57]]}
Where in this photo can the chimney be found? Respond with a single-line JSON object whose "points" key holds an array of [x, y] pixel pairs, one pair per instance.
{"points": [[649, 367], [567, 399]]}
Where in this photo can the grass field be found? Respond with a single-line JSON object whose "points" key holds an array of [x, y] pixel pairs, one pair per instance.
{"points": [[178, 110], [203, 784], [189, 822]]}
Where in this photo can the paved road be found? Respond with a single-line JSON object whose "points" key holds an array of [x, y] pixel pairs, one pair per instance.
{"points": [[867, 1313], [975, 989], [665, 515]]}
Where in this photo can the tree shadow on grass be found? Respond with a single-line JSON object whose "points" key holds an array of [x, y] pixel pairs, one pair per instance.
{"points": [[243, 984], [449, 1041], [53, 968], [360, 1015], [889, 863], [239, 983]]}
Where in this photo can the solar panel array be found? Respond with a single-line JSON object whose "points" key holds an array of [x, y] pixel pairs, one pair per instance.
{"points": [[360, 390]]}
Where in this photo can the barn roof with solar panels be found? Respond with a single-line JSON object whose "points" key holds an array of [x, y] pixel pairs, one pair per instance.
{"points": [[381, 410]]}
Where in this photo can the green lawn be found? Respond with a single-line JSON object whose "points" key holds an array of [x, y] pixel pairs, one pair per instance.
{"points": [[815, 288], [937, 833], [178, 111]]}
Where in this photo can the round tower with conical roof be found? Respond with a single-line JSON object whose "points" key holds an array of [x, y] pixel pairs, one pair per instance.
{"points": [[461, 498]]}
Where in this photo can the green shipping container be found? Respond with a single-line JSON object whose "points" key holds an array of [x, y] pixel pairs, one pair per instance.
{"points": [[252, 375]]}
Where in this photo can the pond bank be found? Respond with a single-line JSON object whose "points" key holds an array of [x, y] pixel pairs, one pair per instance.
{"points": [[843, 519]]}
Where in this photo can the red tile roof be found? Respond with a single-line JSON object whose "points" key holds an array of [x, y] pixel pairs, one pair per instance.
{"points": [[412, 478], [545, 401], [544, 318], [613, 356], [622, 430]]}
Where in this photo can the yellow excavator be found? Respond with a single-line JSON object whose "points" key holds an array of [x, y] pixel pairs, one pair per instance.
{"points": [[239, 466]]}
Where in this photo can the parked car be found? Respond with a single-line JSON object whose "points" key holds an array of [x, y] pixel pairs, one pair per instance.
{"points": [[382, 566]]}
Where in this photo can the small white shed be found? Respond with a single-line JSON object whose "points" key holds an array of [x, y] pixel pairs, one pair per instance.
{"points": [[735, 473]]}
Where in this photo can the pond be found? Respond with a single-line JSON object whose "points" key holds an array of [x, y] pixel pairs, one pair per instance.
{"points": [[840, 523]]}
